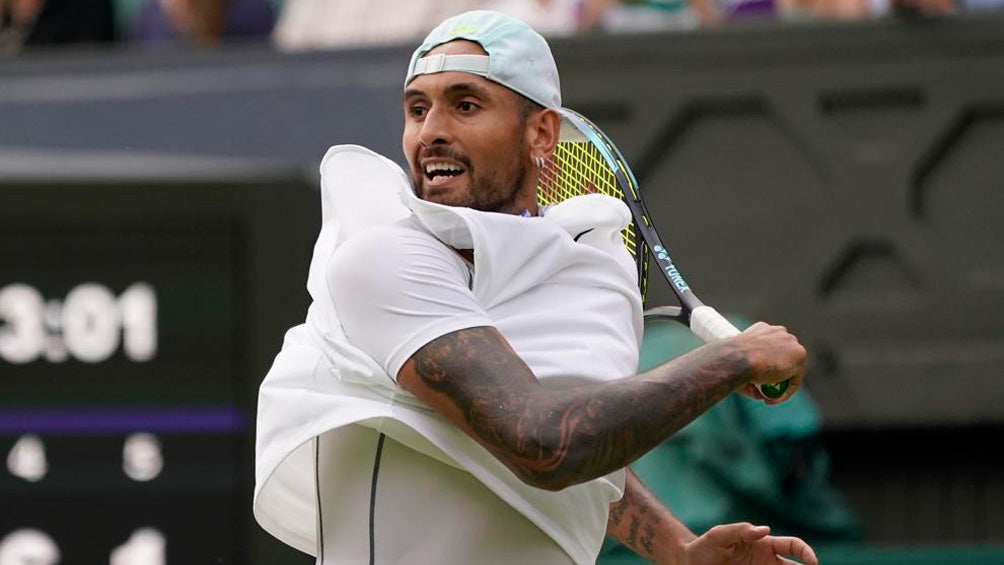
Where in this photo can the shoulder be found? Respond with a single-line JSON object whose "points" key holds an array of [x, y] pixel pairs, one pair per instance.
{"points": [[391, 252], [391, 242]]}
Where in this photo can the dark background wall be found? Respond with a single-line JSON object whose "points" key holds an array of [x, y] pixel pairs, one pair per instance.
{"points": [[842, 179]]}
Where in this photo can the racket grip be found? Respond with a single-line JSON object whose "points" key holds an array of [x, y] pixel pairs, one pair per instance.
{"points": [[709, 325]]}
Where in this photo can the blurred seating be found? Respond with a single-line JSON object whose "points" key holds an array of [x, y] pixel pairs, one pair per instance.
{"points": [[295, 25]]}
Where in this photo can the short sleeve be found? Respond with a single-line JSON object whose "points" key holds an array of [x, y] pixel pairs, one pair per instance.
{"points": [[396, 289]]}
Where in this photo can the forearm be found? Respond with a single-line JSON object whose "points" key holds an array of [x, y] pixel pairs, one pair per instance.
{"points": [[551, 438], [602, 428], [643, 524]]}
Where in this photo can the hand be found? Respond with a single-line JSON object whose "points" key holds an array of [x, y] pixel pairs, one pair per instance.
{"points": [[746, 544], [774, 356]]}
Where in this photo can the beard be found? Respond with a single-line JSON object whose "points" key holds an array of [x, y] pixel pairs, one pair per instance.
{"points": [[495, 190]]}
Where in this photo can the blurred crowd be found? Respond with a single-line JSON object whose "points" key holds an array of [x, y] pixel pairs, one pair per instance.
{"points": [[319, 24]]}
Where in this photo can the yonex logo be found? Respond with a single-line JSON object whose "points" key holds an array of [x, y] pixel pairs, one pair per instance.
{"points": [[670, 269]]}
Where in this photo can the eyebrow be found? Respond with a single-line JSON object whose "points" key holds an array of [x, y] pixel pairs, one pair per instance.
{"points": [[456, 88]]}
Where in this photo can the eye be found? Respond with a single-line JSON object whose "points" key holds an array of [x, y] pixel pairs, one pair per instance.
{"points": [[416, 111], [467, 106]]}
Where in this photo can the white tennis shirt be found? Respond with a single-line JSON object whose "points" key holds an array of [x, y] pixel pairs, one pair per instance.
{"points": [[561, 288]]}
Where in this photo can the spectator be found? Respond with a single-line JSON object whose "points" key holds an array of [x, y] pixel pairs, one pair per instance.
{"points": [[27, 24], [864, 9], [325, 24], [200, 22], [648, 15], [978, 6]]}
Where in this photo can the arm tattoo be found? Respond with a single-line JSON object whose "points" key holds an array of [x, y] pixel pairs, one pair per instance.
{"points": [[647, 540], [617, 511], [641, 521], [557, 438]]}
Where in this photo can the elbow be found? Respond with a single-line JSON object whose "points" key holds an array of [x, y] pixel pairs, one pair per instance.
{"points": [[551, 467], [548, 480], [545, 447]]}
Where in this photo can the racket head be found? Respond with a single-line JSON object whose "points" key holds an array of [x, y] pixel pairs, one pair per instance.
{"points": [[585, 161]]}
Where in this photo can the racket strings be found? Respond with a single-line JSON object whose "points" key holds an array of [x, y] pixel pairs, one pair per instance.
{"points": [[576, 168]]}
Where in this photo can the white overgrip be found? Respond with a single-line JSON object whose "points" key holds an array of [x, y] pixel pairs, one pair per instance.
{"points": [[709, 325]]}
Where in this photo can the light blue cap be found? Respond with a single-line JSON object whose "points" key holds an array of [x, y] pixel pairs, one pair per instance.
{"points": [[518, 57]]}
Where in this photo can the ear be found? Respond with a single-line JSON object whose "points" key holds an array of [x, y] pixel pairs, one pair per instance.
{"points": [[542, 130]]}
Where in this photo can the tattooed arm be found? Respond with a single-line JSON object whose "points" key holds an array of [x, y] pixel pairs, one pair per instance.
{"points": [[555, 438], [549, 438], [641, 522]]}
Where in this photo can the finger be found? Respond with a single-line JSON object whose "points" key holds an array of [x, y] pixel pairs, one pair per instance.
{"points": [[751, 391], [751, 533], [794, 547], [741, 532]]}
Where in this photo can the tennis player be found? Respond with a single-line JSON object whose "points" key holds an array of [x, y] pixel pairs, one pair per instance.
{"points": [[463, 390]]}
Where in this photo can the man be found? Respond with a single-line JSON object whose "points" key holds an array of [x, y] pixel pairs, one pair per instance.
{"points": [[460, 381]]}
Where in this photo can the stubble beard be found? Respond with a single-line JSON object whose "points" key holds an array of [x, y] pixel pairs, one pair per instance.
{"points": [[497, 192]]}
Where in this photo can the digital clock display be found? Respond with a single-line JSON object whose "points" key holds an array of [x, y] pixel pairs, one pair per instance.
{"points": [[128, 363], [86, 325]]}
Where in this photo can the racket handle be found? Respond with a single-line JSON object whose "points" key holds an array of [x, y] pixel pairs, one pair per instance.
{"points": [[709, 325]]}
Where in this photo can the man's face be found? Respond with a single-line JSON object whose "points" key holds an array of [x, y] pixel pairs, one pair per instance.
{"points": [[465, 139]]}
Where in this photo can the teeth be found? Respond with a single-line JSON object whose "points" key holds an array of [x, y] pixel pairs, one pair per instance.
{"points": [[433, 167]]}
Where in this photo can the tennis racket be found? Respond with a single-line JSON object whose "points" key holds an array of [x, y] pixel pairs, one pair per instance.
{"points": [[586, 161]]}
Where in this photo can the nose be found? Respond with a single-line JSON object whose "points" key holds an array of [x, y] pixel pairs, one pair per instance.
{"points": [[435, 128]]}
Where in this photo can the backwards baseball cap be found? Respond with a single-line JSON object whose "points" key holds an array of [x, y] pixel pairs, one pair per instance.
{"points": [[518, 57]]}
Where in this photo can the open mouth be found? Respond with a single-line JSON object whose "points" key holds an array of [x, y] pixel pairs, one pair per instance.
{"points": [[440, 171]]}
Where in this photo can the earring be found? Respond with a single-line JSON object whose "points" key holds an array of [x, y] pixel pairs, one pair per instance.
{"points": [[539, 161]]}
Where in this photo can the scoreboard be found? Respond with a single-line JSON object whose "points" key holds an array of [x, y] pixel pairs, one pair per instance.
{"points": [[137, 317]]}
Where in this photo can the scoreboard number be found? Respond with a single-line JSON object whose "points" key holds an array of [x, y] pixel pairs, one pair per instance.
{"points": [[90, 324]]}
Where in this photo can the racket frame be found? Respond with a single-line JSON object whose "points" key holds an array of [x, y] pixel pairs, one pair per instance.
{"points": [[648, 241], [703, 320]]}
